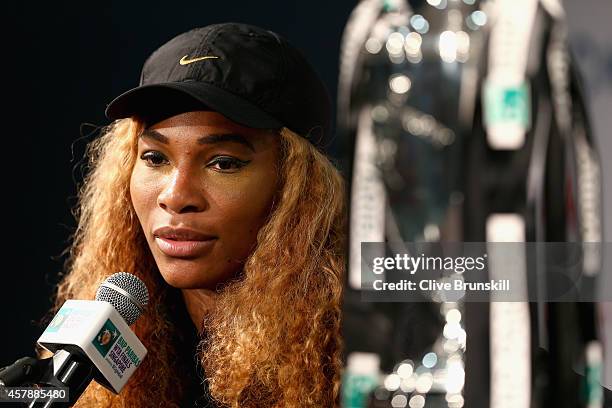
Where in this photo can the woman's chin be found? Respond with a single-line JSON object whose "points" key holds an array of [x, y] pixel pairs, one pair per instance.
{"points": [[184, 280], [190, 277]]}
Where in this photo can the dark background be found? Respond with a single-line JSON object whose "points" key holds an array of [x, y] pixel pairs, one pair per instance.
{"points": [[64, 61]]}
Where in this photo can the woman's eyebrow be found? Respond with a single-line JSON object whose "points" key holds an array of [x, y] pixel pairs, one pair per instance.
{"points": [[155, 135], [225, 137], [207, 139]]}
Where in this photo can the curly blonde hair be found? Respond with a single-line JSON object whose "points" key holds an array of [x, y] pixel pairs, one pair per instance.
{"points": [[273, 339]]}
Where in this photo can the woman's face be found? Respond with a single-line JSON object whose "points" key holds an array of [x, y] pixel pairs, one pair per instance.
{"points": [[202, 187]]}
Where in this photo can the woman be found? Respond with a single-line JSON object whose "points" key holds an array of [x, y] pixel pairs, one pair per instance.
{"points": [[210, 186]]}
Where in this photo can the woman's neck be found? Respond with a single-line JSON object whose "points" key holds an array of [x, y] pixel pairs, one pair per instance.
{"points": [[199, 303]]}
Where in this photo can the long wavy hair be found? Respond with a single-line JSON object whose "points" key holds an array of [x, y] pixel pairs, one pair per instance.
{"points": [[273, 339]]}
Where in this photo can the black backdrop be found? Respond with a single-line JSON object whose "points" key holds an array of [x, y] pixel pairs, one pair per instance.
{"points": [[66, 62]]}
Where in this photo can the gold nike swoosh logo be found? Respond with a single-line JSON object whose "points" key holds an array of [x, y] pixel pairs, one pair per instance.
{"points": [[185, 60]]}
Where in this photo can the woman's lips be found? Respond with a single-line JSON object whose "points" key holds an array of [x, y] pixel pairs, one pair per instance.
{"points": [[183, 249], [182, 242]]}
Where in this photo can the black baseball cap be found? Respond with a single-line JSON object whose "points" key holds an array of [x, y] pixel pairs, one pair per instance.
{"points": [[250, 75]]}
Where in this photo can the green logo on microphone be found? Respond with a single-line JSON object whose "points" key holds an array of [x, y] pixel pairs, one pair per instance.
{"points": [[106, 337]]}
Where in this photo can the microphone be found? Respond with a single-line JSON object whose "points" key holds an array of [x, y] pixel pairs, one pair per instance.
{"points": [[91, 340], [25, 370]]}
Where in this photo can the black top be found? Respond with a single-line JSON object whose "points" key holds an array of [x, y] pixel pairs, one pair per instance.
{"points": [[197, 395], [187, 338]]}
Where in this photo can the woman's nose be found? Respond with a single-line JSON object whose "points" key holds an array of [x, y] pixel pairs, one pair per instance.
{"points": [[183, 193]]}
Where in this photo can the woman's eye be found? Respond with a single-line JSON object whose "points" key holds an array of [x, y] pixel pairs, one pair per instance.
{"points": [[153, 159], [225, 163]]}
